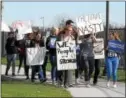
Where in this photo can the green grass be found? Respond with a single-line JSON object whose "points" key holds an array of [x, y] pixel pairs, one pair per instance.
{"points": [[23, 89]]}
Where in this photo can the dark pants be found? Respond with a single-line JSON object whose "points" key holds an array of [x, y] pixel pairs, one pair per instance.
{"points": [[78, 70], [97, 70], [54, 68], [88, 65], [21, 59], [36, 69], [11, 58], [104, 71], [26, 68], [44, 65]]}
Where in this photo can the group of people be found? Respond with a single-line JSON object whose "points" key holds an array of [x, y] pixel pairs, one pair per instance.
{"points": [[85, 56]]}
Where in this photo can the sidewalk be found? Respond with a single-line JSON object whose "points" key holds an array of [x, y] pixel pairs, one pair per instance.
{"points": [[81, 91]]}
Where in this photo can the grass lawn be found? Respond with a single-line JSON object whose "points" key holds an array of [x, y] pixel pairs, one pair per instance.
{"points": [[24, 89]]}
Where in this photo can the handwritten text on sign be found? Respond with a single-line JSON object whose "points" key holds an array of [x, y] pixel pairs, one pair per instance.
{"points": [[35, 56], [89, 24], [66, 55], [99, 49]]}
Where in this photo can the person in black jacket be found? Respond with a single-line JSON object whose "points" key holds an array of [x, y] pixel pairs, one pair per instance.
{"points": [[21, 51], [51, 46], [11, 50]]}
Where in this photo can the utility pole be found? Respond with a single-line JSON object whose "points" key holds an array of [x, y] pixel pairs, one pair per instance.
{"points": [[125, 39], [106, 31], [43, 22], [0, 33]]}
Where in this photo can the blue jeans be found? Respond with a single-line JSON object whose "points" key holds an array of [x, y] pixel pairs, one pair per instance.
{"points": [[54, 68], [11, 58], [35, 69], [112, 67]]}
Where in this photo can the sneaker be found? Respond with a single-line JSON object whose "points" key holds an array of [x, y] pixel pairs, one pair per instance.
{"points": [[13, 74], [108, 84], [76, 81], [88, 85], [114, 86]]}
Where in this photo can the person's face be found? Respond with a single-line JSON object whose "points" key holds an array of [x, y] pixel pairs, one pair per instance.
{"points": [[38, 37], [57, 32], [30, 36], [69, 25], [69, 31], [111, 37], [11, 35]]}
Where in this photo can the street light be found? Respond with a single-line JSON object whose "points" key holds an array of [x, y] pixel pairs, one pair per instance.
{"points": [[43, 22]]}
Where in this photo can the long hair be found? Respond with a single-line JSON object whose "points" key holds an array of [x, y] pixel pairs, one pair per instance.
{"points": [[116, 35]]}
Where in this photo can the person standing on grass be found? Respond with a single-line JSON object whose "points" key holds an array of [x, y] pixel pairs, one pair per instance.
{"points": [[87, 56], [112, 61], [37, 42], [11, 51], [29, 38], [51, 46]]}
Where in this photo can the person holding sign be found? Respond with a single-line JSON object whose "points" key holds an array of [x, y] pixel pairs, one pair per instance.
{"points": [[67, 74], [87, 56], [37, 43], [112, 60], [51, 46]]}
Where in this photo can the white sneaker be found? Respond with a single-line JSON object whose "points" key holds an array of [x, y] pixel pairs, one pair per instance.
{"points": [[76, 81], [88, 85], [114, 85], [108, 84]]}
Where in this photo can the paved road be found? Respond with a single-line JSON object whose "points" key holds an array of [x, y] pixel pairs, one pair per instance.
{"points": [[81, 91]]}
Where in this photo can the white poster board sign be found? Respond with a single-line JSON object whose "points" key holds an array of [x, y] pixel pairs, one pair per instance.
{"points": [[66, 55], [4, 27], [99, 49], [35, 56], [23, 27], [89, 24], [19, 36]]}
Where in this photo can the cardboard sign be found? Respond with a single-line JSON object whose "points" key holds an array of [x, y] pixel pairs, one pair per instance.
{"points": [[89, 24], [99, 49], [66, 55], [19, 36], [23, 27], [5, 27], [35, 56], [116, 46]]}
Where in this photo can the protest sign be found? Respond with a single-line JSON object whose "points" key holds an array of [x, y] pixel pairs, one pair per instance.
{"points": [[99, 49], [89, 24], [35, 56], [116, 46], [23, 27], [4, 27], [66, 55], [19, 36]]}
